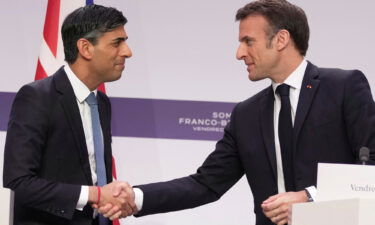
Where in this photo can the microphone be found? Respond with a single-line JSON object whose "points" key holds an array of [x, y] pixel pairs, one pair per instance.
{"points": [[364, 155]]}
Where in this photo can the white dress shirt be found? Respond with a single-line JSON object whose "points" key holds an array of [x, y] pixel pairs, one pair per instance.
{"points": [[81, 92], [294, 80]]}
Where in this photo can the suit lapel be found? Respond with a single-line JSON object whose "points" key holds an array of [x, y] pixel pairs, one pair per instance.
{"points": [[104, 115], [69, 104], [309, 87], [266, 119]]}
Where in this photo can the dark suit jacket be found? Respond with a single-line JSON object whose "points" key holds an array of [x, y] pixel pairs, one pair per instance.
{"points": [[335, 117], [46, 159]]}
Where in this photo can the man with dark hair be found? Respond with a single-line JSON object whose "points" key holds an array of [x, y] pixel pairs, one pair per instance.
{"points": [[58, 157], [280, 15], [277, 137]]}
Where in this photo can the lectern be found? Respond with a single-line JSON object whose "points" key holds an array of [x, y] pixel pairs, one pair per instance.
{"points": [[336, 212], [345, 196]]}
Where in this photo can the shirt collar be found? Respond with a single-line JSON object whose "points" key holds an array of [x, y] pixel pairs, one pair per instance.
{"points": [[294, 80], [81, 91]]}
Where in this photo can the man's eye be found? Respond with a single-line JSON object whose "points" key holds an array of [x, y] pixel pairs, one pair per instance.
{"points": [[249, 42]]}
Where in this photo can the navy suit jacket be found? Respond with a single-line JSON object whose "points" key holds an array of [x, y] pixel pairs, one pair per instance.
{"points": [[335, 117], [45, 158]]}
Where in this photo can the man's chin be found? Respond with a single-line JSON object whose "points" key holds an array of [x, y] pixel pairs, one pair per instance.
{"points": [[253, 77], [118, 77], [114, 78]]}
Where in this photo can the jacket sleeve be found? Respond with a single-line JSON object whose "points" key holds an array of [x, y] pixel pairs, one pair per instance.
{"points": [[219, 172], [359, 113], [27, 136]]}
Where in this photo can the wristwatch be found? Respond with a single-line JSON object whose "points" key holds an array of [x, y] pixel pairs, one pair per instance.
{"points": [[309, 198]]}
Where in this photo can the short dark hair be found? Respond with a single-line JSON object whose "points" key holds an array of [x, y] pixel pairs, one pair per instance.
{"points": [[280, 14], [89, 22]]}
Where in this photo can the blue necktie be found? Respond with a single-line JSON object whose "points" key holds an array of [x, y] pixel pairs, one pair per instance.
{"points": [[98, 146], [286, 136]]}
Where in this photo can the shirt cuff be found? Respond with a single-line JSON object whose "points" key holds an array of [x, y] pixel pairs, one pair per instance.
{"points": [[312, 192], [83, 198], [138, 198]]}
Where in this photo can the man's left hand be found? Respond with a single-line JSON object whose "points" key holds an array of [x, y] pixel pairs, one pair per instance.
{"points": [[276, 207]]}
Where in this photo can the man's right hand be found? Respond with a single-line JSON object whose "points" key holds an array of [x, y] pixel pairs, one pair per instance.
{"points": [[116, 200]]}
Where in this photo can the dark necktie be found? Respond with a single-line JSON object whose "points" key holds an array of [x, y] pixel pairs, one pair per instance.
{"points": [[285, 136], [98, 146]]}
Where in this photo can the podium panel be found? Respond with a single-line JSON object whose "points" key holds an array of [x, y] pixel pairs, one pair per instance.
{"points": [[343, 212], [5, 207], [350, 181]]}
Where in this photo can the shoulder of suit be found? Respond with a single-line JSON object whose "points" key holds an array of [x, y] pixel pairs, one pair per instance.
{"points": [[258, 96], [337, 74], [42, 90], [255, 99], [46, 83], [43, 85]]}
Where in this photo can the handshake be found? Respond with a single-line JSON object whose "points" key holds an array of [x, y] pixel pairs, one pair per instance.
{"points": [[114, 200]]}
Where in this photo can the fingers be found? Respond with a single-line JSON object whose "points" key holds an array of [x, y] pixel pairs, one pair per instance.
{"points": [[117, 200], [125, 214], [113, 212], [116, 216], [105, 209], [126, 198], [126, 210], [130, 196], [280, 219], [282, 222], [121, 208], [124, 189], [272, 205], [280, 213], [112, 191], [271, 199], [118, 187], [278, 207], [116, 190], [272, 202]]}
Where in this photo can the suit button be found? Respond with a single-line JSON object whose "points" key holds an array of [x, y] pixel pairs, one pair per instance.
{"points": [[59, 212]]}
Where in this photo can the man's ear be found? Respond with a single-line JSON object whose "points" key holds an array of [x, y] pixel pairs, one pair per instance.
{"points": [[85, 48], [282, 39]]}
